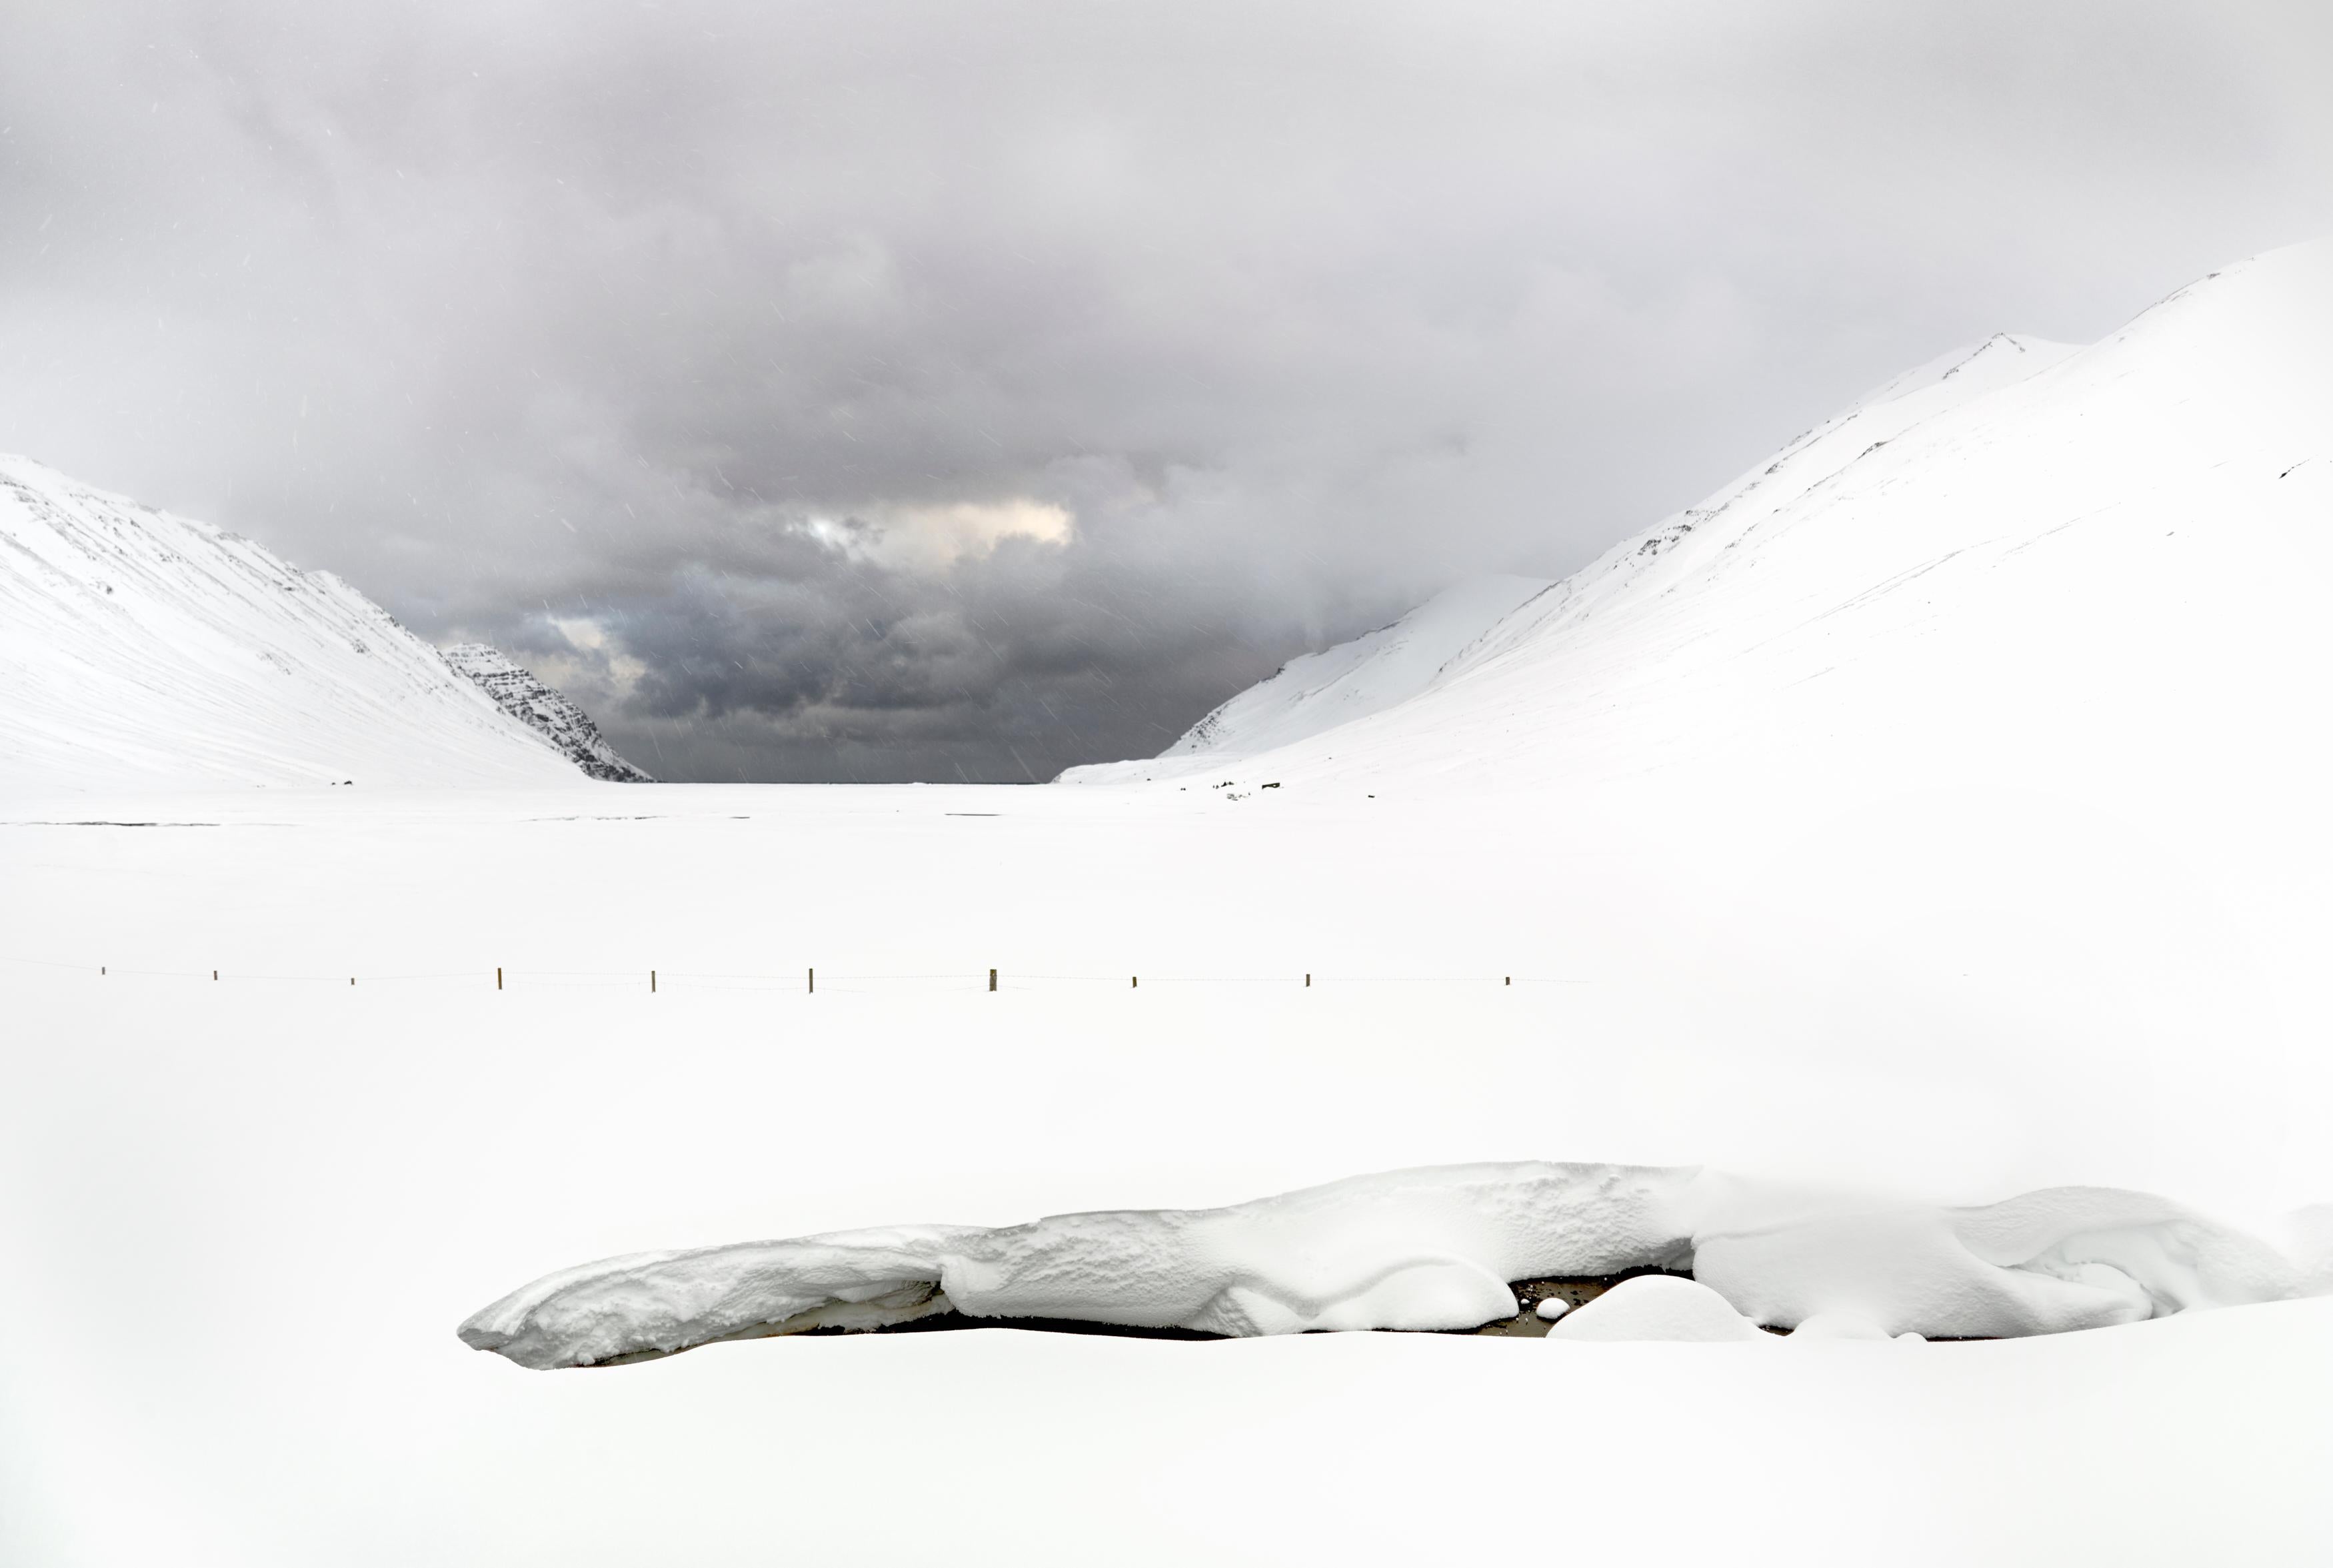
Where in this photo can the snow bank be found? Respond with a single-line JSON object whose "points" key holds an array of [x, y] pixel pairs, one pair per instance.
{"points": [[1838, 1325], [1433, 1248], [1411, 1249], [1657, 1306], [2065, 1258]]}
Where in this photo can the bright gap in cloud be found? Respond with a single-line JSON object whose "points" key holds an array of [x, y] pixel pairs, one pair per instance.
{"points": [[933, 538]]}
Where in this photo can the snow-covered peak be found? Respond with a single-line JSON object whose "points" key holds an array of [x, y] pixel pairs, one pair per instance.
{"points": [[543, 709], [1972, 369], [139, 649]]}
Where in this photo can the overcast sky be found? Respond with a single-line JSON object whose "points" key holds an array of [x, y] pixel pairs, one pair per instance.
{"points": [[939, 390]]}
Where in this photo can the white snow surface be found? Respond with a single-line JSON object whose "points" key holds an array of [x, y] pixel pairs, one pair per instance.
{"points": [[1657, 1306], [1350, 681], [1843, 1326], [143, 650]]}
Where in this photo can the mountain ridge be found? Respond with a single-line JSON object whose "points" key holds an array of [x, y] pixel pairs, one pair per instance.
{"points": [[139, 649], [1948, 557]]}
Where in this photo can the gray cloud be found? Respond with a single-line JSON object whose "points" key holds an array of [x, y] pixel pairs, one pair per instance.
{"points": [[707, 354]]}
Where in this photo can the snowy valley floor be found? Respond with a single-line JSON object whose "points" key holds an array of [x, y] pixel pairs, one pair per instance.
{"points": [[244, 1215]]}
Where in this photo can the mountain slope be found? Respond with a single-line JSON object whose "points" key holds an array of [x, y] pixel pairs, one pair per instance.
{"points": [[546, 710], [140, 649], [1336, 685], [2099, 572]]}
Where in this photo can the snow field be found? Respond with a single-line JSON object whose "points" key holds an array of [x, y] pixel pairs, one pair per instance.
{"points": [[1907, 1042], [2196, 1439], [309, 1183]]}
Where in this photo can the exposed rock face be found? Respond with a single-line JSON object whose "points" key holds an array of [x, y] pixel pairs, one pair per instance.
{"points": [[545, 709]]}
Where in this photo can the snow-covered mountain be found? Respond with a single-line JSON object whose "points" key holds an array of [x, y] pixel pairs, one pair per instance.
{"points": [[140, 649], [1463, 624], [2098, 572], [1350, 681], [546, 710]]}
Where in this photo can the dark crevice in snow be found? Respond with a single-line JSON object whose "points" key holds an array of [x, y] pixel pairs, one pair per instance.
{"points": [[1528, 1323], [1575, 1290]]}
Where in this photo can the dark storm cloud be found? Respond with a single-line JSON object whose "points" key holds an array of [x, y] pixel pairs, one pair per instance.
{"points": [[937, 390]]}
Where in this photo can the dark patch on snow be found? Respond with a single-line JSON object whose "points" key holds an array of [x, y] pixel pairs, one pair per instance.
{"points": [[47, 824], [941, 1321], [1576, 1290]]}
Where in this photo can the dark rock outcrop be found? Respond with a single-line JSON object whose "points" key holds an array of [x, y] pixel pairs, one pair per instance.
{"points": [[543, 709]]}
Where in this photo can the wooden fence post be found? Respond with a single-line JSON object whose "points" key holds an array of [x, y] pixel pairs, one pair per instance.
{"points": [[1308, 982], [1135, 983], [498, 977], [813, 980], [992, 979], [651, 982]]}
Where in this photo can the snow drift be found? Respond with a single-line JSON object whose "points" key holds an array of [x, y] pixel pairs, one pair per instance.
{"points": [[1659, 1306], [1427, 1249], [139, 649]]}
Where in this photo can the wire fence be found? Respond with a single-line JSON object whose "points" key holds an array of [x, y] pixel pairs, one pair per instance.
{"points": [[808, 981]]}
